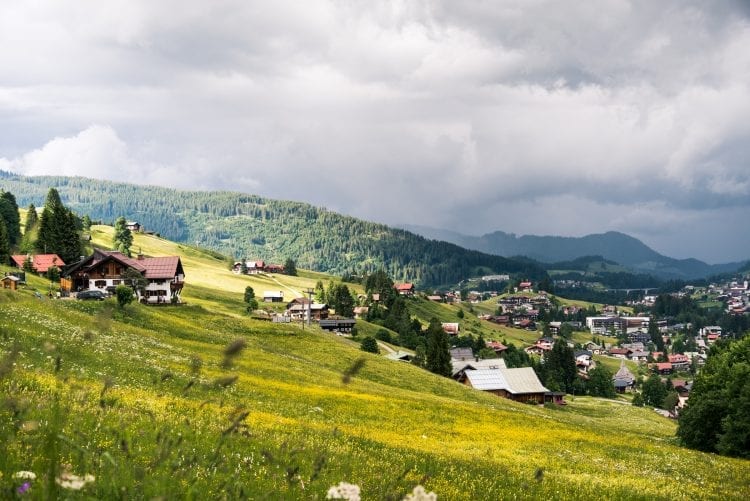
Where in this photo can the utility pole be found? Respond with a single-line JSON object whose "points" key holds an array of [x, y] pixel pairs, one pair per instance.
{"points": [[310, 292]]}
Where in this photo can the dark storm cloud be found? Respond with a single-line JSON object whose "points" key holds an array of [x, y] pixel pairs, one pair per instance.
{"points": [[526, 116]]}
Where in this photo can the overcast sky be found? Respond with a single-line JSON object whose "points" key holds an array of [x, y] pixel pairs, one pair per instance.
{"points": [[527, 116]]}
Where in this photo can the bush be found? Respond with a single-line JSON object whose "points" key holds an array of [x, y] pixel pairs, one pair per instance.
{"points": [[370, 345], [384, 335], [124, 295]]}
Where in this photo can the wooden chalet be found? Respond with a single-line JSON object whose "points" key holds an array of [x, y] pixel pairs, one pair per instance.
{"points": [[105, 270], [521, 384]]}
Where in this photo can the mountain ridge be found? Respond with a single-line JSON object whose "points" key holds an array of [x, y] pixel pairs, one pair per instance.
{"points": [[611, 245]]}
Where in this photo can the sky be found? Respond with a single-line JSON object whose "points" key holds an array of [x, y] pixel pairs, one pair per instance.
{"points": [[527, 116]]}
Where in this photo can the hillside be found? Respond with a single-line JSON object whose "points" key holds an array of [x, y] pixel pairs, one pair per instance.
{"points": [[612, 245], [148, 402], [249, 226]]}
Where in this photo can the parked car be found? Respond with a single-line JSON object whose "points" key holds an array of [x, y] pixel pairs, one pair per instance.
{"points": [[98, 295]]}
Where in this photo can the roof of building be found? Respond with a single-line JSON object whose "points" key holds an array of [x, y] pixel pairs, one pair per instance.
{"points": [[521, 380], [623, 374], [462, 353], [663, 366], [404, 287], [473, 365], [40, 262], [161, 267]]}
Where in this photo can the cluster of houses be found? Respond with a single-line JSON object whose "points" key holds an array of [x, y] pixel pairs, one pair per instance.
{"points": [[255, 267], [520, 311], [104, 270]]}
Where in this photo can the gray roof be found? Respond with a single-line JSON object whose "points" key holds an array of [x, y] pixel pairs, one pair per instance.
{"points": [[487, 363], [623, 374], [462, 353], [516, 381]]}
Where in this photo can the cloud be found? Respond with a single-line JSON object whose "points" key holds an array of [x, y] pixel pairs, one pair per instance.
{"points": [[426, 112]]}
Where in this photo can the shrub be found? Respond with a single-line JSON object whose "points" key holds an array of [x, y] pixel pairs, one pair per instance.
{"points": [[370, 345]]}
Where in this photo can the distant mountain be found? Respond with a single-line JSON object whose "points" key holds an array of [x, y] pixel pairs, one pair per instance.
{"points": [[614, 246], [254, 227]]}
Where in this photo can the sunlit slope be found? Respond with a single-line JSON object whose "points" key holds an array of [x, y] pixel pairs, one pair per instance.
{"points": [[208, 278], [150, 407]]}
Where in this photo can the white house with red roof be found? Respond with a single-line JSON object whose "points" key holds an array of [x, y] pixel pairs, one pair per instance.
{"points": [[40, 263], [406, 289], [105, 270]]}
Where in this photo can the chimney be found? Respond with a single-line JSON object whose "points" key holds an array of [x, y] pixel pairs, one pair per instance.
{"points": [[139, 257]]}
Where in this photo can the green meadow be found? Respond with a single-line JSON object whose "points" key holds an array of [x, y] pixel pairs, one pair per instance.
{"points": [[200, 401]]}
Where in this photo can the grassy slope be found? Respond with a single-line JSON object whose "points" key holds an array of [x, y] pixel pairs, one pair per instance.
{"points": [[149, 432]]}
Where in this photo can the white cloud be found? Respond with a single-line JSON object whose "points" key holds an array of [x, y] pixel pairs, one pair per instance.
{"points": [[441, 109]]}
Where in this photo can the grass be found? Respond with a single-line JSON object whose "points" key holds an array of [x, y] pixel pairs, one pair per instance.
{"points": [[148, 402]]}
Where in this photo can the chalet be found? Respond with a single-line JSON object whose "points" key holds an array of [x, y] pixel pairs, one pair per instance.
{"points": [[593, 348], [337, 324], [525, 286], [500, 319], [538, 349], [255, 267], [10, 282], [273, 296], [274, 268], [584, 360], [679, 361], [663, 368], [435, 298], [40, 263], [639, 356], [298, 311], [133, 226], [406, 289], [496, 346], [451, 328], [521, 384], [619, 353], [623, 380], [105, 270]]}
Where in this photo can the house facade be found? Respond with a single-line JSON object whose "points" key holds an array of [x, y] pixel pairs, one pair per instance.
{"points": [[105, 270]]}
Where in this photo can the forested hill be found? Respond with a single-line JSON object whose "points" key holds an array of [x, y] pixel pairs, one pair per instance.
{"points": [[254, 227], [619, 247]]}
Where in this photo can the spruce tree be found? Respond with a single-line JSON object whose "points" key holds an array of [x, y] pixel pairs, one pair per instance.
{"points": [[438, 349], [122, 240], [4, 244], [58, 232], [9, 214]]}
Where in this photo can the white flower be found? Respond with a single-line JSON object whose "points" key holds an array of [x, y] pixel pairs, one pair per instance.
{"points": [[25, 475], [419, 494], [73, 482], [350, 492]]}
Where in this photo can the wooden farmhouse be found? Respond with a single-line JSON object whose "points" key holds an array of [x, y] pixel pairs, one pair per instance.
{"points": [[105, 270], [520, 384]]}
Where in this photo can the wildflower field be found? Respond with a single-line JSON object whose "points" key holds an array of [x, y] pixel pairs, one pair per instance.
{"points": [[201, 402]]}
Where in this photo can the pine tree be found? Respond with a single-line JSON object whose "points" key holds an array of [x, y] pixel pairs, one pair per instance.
{"points": [[9, 214], [438, 349], [122, 240], [4, 244], [58, 230]]}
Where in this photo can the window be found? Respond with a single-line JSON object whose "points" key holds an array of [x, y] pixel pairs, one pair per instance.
{"points": [[100, 284]]}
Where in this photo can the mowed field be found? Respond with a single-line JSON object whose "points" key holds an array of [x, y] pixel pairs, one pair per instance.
{"points": [[199, 401]]}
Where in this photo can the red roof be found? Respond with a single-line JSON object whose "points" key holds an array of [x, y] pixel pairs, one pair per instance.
{"points": [[161, 267], [404, 287], [496, 345], [525, 284], [677, 358], [663, 366], [41, 262]]}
